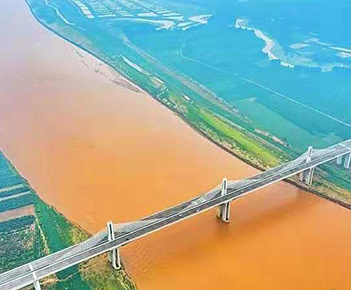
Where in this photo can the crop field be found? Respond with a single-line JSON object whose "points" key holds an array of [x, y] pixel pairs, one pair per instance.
{"points": [[20, 242], [14, 190], [20, 239]]}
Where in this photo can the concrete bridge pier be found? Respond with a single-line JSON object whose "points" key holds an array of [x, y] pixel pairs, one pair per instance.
{"points": [[224, 209], [307, 175], [339, 160], [347, 161], [36, 283], [113, 256]]}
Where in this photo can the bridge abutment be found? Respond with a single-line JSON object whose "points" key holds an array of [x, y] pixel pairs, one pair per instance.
{"points": [[113, 255], [224, 209]]}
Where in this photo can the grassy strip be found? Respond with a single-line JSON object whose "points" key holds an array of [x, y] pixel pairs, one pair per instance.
{"points": [[94, 274], [236, 138], [101, 276], [331, 181], [223, 132]]}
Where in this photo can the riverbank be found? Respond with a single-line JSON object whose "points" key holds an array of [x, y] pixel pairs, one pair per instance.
{"points": [[32, 227], [28, 235], [100, 152], [215, 119], [322, 187]]}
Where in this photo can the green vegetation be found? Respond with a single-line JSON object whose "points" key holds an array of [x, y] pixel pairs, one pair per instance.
{"points": [[231, 136], [17, 223], [279, 126], [57, 234], [20, 242], [189, 78], [14, 191], [16, 202], [237, 138], [101, 276]]}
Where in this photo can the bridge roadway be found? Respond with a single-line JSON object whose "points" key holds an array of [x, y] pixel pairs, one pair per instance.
{"points": [[99, 244]]}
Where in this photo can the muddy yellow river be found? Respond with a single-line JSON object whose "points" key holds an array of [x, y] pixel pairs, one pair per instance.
{"points": [[98, 151]]}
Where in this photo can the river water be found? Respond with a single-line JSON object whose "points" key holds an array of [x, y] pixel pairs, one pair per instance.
{"points": [[98, 151]]}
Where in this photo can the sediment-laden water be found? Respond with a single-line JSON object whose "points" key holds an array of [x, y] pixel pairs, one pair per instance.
{"points": [[98, 151]]}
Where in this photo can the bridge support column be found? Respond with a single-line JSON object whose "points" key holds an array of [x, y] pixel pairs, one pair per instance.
{"points": [[302, 176], [339, 160], [307, 175], [113, 255], [37, 285], [347, 161], [224, 209]]}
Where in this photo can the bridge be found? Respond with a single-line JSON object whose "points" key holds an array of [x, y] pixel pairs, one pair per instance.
{"points": [[115, 236]]}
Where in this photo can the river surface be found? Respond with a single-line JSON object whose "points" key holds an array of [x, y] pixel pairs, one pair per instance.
{"points": [[98, 151]]}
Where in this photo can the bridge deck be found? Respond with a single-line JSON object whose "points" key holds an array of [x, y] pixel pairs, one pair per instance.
{"points": [[125, 233]]}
